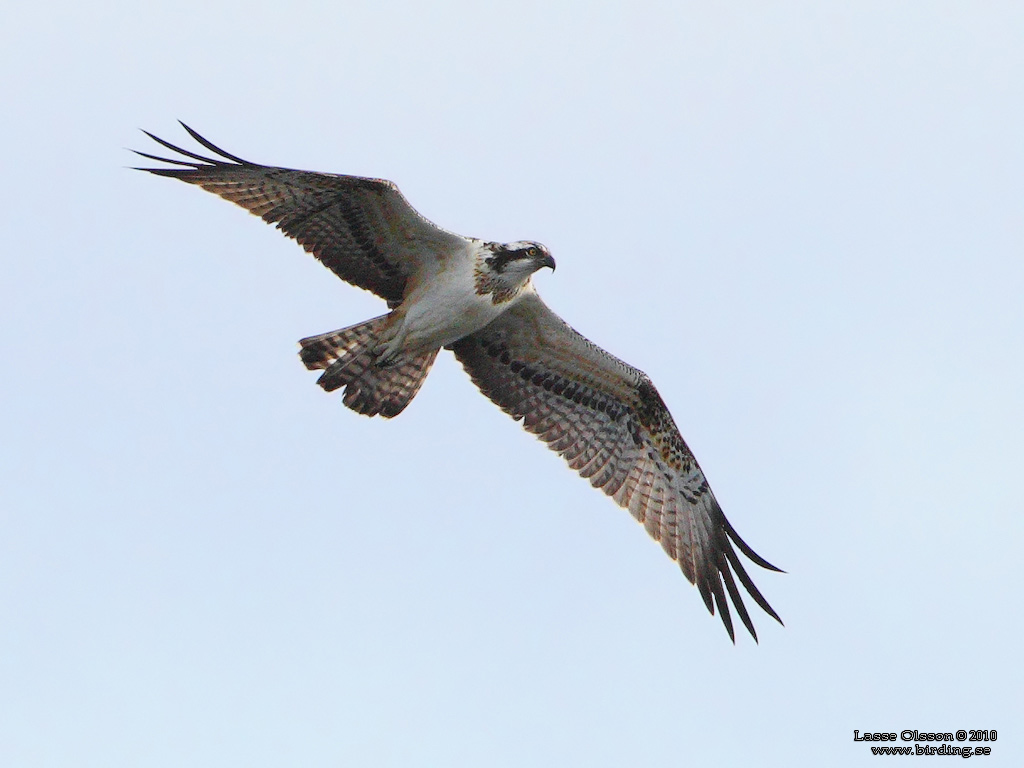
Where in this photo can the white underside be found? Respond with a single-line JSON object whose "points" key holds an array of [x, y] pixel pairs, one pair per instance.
{"points": [[444, 308]]}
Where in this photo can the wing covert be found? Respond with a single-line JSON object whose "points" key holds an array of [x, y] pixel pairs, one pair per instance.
{"points": [[606, 419], [362, 229]]}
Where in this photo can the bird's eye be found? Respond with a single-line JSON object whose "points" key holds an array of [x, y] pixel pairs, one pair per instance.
{"points": [[531, 251]]}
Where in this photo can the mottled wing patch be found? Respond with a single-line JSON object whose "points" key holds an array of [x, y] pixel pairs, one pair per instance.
{"points": [[362, 229], [608, 422]]}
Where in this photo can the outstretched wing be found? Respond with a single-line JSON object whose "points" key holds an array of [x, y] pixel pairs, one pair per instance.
{"points": [[364, 230], [608, 422]]}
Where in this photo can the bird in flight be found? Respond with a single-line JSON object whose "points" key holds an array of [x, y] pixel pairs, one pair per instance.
{"points": [[477, 298]]}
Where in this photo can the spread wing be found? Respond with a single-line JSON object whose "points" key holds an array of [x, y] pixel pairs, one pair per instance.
{"points": [[606, 419], [364, 230]]}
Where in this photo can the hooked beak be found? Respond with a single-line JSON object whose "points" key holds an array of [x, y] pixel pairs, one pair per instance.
{"points": [[547, 261]]}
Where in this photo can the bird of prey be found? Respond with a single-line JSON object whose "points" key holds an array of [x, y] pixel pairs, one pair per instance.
{"points": [[476, 298]]}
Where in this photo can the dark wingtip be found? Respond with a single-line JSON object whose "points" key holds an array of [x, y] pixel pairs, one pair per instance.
{"points": [[196, 161], [723, 605], [745, 548], [179, 150], [734, 595], [213, 147], [748, 583], [159, 159], [724, 569]]}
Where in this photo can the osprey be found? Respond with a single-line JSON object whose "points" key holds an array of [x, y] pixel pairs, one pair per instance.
{"points": [[476, 298]]}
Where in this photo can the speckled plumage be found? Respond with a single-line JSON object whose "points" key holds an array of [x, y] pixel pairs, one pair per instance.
{"points": [[604, 417]]}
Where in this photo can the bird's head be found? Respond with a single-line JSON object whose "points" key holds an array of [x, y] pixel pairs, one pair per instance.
{"points": [[520, 259], [505, 268]]}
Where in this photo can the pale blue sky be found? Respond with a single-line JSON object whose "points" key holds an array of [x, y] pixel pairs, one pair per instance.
{"points": [[805, 221]]}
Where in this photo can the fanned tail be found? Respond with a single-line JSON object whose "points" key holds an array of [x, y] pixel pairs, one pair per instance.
{"points": [[348, 359]]}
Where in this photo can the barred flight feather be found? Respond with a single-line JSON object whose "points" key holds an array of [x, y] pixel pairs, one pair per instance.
{"points": [[608, 422], [362, 229]]}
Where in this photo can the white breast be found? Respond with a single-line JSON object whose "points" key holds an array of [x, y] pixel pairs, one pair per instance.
{"points": [[446, 306]]}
